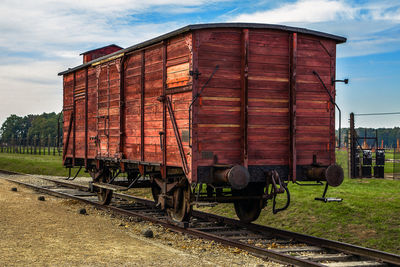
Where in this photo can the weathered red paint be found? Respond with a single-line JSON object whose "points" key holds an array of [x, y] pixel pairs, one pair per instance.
{"points": [[293, 106], [99, 52], [263, 106]]}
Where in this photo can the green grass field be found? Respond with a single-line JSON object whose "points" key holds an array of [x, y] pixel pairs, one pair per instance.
{"points": [[391, 166], [368, 216], [33, 164]]}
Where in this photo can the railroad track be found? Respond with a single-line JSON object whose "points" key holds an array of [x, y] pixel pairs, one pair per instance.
{"points": [[263, 241]]}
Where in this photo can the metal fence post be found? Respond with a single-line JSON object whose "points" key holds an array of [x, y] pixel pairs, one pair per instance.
{"points": [[59, 145], [34, 145], [353, 148], [48, 144], [40, 144], [54, 146], [11, 144], [394, 160]]}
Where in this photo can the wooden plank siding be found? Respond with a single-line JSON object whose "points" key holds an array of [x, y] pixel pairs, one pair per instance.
{"points": [[68, 101], [179, 90], [269, 111], [92, 113], [79, 124], [134, 83], [153, 109], [217, 111], [315, 113], [217, 127], [178, 60], [133, 71]]}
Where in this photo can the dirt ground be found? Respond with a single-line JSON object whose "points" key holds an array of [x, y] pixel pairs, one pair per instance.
{"points": [[53, 233]]}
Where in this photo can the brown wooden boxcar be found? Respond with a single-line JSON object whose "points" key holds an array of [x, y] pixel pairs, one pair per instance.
{"points": [[206, 113]]}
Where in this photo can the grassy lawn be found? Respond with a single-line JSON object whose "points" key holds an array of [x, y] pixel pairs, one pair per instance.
{"points": [[33, 164], [368, 216]]}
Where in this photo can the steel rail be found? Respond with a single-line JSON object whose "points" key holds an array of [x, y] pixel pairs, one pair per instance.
{"points": [[379, 256], [260, 252], [321, 242]]}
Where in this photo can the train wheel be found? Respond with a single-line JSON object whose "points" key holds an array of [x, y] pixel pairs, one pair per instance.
{"points": [[155, 191], [248, 210], [182, 208], [104, 196]]}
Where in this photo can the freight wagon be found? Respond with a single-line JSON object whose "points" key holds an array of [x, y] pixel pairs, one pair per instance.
{"points": [[206, 114]]}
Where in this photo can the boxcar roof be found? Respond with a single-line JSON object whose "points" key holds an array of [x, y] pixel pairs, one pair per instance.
{"points": [[111, 45], [188, 28]]}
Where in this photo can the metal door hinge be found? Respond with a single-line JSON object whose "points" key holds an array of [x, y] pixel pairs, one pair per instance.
{"points": [[195, 73]]}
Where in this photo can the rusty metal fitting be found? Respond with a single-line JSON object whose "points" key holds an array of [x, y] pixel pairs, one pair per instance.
{"points": [[333, 174], [161, 98], [237, 176], [316, 173]]}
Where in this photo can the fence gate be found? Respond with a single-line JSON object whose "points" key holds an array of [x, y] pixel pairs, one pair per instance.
{"points": [[369, 156]]}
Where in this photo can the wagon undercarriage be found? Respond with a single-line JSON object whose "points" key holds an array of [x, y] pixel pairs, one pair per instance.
{"points": [[178, 197]]}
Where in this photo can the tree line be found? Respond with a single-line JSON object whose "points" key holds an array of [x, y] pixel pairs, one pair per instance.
{"points": [[388, 135], [30, 128]]}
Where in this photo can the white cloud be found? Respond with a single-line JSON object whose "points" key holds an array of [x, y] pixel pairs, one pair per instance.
{"points": [[301, 11], [49, 25], [370, 26], [40, 38], [311, 11], [29, 86]]}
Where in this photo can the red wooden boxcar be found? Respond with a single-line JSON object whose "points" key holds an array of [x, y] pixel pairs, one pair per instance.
{"points": [[206, 113]]}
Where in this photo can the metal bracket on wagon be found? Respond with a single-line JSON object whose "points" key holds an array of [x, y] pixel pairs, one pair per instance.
{"points": [[177, 136], [272, 190]]}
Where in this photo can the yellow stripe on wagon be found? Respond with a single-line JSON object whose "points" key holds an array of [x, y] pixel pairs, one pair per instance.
{"points": [[220, 98], [219, 125], [107, 59]]}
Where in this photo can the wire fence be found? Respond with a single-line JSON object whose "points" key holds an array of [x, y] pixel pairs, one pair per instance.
{"points": [[392, 163], [36, 146]]}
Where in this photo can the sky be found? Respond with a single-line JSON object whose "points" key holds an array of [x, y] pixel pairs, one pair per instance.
{"points": [[39, 38]]}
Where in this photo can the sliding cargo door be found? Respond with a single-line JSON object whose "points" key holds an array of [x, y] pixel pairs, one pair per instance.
{"points": [[108, 106]]}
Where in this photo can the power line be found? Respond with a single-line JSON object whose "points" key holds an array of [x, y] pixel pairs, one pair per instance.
{"points": [[377, 114]]}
